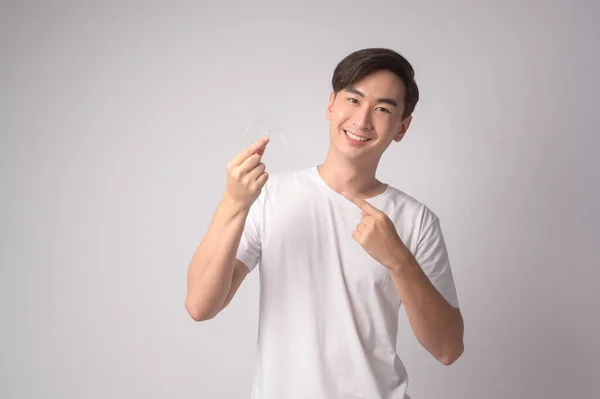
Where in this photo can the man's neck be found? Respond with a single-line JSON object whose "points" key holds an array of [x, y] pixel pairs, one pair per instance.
{"points": [[342, 175]]}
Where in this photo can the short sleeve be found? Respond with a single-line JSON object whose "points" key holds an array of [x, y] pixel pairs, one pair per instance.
{"points": [[249, 249], [432, 256]]}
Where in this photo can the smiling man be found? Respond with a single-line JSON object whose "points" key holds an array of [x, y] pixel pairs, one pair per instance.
{"points": [[338, 251]]}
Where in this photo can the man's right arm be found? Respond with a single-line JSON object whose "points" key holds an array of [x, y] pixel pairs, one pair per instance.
{"points": [[214, 273]]}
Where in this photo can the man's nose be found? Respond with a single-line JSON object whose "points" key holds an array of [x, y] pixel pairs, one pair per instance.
{"points": [[362, 119]]}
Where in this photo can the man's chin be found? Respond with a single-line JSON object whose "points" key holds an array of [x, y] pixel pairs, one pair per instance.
{"points": [[354, 154]]}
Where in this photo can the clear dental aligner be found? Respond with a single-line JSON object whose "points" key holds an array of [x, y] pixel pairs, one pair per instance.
{"points": [[268, 132]]}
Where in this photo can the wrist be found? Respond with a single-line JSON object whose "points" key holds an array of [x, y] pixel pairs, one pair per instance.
{"points": [[233, 205], [402, 260]]}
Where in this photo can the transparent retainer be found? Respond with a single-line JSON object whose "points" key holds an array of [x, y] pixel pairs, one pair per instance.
{"points": [[260, 127]]}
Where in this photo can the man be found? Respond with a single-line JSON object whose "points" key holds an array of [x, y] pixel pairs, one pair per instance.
{"points": [[339, 251]]}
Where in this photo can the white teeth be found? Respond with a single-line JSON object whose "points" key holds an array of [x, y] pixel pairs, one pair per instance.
{"points": [[355, 137]]}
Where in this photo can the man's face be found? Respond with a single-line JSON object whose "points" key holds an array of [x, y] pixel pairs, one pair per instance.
{"points": [[367, 117]]}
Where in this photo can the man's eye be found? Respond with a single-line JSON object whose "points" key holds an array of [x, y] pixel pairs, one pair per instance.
{"points": [[383, 109], [353, 100]]}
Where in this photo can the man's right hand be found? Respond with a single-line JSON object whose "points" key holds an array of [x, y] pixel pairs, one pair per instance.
{"points": [[246, 174]]}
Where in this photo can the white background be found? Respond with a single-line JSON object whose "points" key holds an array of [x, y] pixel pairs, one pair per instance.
{"points": [[117, 120]]}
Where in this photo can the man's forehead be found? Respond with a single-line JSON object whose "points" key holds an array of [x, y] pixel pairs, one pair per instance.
{"points": [[382, 84]]}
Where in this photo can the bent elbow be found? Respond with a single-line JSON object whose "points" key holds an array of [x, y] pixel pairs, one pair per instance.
{"points": [[452, 356], [197, 313], [447, 360]]}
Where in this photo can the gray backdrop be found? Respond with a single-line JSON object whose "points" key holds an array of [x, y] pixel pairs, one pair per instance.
{"points": [[118, 119]]}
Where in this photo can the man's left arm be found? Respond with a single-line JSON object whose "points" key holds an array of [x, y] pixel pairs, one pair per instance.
{"points": [[437, 324]]}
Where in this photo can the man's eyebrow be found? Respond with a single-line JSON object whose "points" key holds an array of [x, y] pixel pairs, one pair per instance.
{"points": [[389, 101]]}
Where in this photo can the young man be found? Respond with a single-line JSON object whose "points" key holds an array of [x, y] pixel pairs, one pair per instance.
{"points": [[339, 251]]}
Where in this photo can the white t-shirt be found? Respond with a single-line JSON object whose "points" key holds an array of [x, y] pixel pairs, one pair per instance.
{"points": [[328, 314]]}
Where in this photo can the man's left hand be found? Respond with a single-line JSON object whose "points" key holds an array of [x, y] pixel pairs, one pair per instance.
{"points": [[377, 235]]}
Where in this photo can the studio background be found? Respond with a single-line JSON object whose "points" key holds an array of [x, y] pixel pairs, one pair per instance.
{"points": [[117, 120]]}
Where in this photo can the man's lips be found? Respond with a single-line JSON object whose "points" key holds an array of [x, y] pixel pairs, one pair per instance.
{"points": [[356, 137]]}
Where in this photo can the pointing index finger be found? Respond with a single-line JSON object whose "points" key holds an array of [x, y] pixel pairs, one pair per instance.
{"points": [[361, 203]]}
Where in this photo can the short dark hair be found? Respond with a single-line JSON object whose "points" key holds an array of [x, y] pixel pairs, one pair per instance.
{"points": [[361, 63]]}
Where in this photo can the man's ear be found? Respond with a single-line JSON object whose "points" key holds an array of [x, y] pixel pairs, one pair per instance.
{"points": [[330, 105], [403, 128]]}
